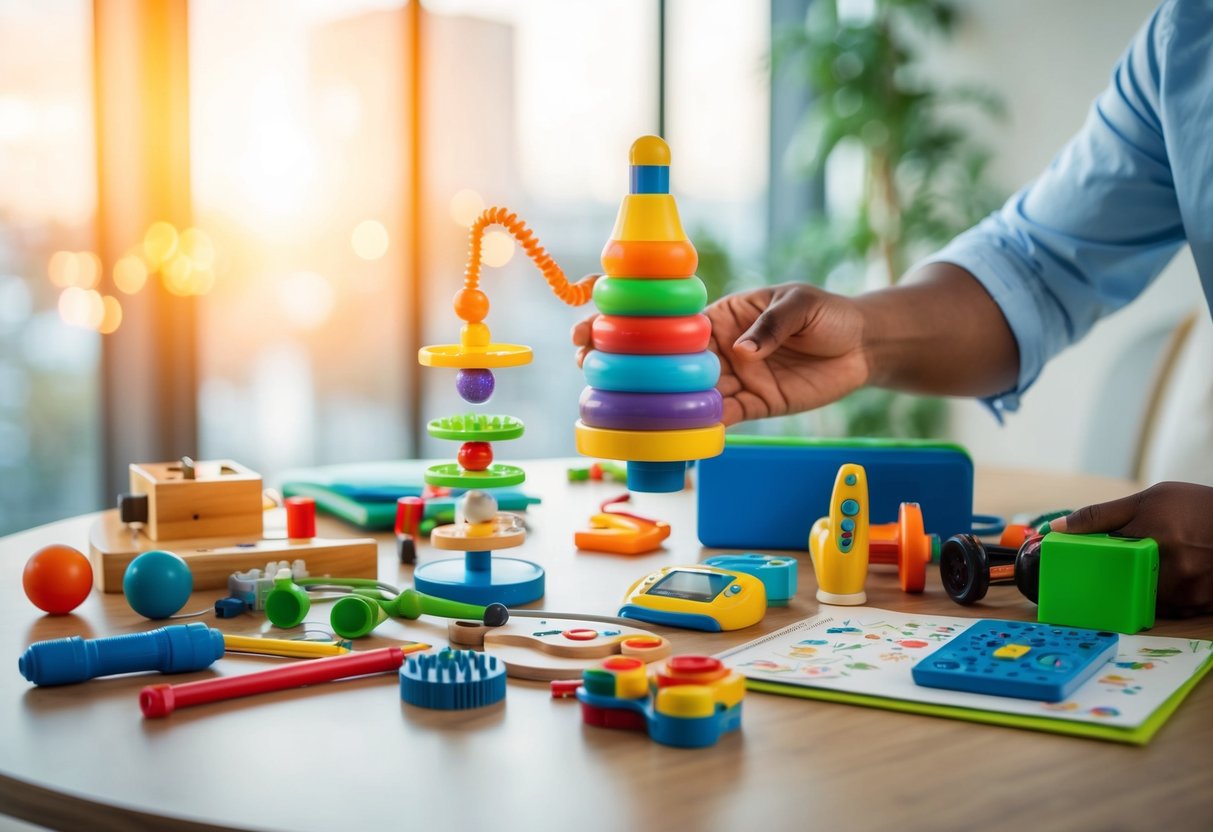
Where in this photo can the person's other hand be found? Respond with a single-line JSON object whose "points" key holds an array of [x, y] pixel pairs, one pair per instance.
{"points": [[784, 349], [1179, 516]]}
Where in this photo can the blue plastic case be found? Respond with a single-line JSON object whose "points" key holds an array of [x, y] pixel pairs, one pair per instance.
{"points": [[1017, 658], [766, 492]]}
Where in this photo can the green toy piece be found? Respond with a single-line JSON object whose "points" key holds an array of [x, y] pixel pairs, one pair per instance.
{"points": [[287, 604], [450, 475], [368, 604], [1098, 582], [475, 427]]}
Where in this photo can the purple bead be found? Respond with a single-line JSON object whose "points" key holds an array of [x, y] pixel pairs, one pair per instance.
{"points": [[475, 386]]}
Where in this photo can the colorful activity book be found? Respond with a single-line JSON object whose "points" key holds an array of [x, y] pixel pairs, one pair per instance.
{"points": [[863, 656]]}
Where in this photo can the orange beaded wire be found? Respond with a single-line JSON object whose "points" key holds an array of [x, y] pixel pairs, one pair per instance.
{"points": [[574, 294]]}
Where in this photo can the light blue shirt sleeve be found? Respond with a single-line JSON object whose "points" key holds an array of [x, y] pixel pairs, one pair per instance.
{"points": [[1094, 230]]}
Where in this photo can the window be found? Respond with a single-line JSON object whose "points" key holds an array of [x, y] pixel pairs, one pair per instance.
{"points": [[299, 144], [50, 460]]}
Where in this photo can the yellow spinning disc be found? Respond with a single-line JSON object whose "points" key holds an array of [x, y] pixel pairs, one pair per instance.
{"points": [[469, 358]]}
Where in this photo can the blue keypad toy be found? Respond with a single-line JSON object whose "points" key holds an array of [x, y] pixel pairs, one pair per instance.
{"points": [[1022, 659]]}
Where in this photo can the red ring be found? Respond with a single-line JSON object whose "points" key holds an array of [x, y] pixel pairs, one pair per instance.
{"points": [[580, 634], [651, 336], [693, 665]]}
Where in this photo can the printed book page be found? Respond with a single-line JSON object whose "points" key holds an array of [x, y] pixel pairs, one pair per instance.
{"points": [[868, 651]]}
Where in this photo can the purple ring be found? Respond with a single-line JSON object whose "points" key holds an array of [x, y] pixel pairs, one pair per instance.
{"points": [[650, 411]]}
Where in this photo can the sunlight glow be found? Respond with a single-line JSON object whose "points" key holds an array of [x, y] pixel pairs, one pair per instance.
{"points": [[306, 299]]}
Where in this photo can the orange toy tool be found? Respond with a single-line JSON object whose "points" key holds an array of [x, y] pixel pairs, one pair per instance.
{"points": [[905, 545], [621, 533]]}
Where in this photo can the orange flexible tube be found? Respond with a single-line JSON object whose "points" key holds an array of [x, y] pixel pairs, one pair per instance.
{"points": [[574, 294]]}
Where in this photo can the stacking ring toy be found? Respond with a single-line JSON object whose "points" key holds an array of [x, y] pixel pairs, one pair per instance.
{"points": [[650, 411], [684, 373], [650, 298], [651, 336]]}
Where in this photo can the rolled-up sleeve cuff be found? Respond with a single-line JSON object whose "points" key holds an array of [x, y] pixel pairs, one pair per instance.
{"points": [[1020, 296]]}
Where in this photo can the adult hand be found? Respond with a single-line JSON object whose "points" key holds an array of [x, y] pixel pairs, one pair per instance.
{"points": [[782, 349], [1179, 516]]}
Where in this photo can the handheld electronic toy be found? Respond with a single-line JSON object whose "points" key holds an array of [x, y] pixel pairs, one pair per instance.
{"points": [[696, 598]]}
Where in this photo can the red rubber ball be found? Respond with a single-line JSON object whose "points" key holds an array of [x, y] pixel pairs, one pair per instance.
{"points": [[57, 579]]}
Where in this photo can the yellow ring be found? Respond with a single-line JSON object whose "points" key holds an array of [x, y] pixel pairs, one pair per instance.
{"points": [[468, 358], [650, 445]]}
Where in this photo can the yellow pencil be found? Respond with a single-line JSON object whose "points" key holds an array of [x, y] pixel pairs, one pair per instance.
{"points": [[282, 647]]}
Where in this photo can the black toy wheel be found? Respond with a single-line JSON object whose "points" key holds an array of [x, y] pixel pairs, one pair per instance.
{"points": [[1027, 568], [964, 569]]}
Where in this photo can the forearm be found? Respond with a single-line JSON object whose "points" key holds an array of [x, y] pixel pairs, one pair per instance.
{"points": [[938, 332]]}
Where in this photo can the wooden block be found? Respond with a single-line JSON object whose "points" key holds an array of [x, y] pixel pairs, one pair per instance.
{"points": [[536, 648], [222, 500], [113, 545]]}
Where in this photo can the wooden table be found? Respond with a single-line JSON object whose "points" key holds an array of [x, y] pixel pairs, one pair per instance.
{"points": [[352, 756]]}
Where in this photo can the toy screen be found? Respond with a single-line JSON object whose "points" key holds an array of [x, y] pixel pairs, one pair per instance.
{"points": [[691, 586]]}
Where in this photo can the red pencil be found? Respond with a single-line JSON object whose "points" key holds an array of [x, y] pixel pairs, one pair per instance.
{"points": [[162, 700]]}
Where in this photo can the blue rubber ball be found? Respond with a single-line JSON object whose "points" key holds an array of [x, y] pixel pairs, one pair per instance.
{"points": [[157, 584]]}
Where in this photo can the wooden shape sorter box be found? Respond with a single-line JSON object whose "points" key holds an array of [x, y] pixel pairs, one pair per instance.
{"points": [[210, 514], [547, 649]]}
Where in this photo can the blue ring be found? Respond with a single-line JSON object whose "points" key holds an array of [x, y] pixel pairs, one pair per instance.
{"points": [[624, 373]]}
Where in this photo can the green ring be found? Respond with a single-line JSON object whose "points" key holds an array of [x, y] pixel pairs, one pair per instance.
{"points": [[475, 427], [650, 297], [450, 475]]}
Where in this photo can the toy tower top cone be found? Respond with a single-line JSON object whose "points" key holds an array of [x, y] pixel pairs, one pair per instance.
{"points": [[648, 240], [651, 398]]}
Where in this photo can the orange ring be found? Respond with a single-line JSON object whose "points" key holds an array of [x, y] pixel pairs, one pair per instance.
{"points": [[650, 258], [580, 634], [651, 336], [643, 642]]}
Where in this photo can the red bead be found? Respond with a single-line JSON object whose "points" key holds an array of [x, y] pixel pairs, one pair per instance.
{"points": [[475, 456]]}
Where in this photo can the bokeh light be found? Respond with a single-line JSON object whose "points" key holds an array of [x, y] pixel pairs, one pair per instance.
{"points": [[201, 280], [497, 248], [159, 244], [370, 240], [306, 299], [80, 307], [466, 206], [197, 246], [176, 275], [130, 274], [63, 269], [111, 317], [88, 270]]}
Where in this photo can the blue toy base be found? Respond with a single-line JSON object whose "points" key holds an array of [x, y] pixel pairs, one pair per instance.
{"points": [[656, 477], [506, 581]]}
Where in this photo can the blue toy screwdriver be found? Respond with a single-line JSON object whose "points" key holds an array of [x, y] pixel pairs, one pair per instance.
{"points": [[179, 648]]}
